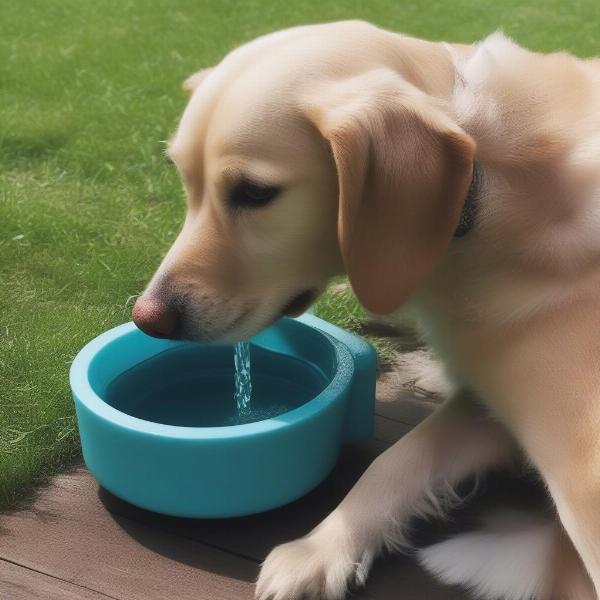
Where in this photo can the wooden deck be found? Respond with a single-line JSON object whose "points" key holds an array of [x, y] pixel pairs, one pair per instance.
{"points": [[77, 541]]}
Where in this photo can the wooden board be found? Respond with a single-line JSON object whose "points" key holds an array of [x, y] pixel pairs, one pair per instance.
{"points": [[19, 583], [77, 541], [68, 534]]}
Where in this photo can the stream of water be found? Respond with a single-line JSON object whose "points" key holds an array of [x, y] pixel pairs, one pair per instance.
{"points": [[243, 382]]}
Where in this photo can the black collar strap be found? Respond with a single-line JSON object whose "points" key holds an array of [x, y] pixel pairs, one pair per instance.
{"points": [[469, 211]]}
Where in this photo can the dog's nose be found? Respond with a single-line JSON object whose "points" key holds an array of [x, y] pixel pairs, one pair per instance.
{"points": [[155, 317]]}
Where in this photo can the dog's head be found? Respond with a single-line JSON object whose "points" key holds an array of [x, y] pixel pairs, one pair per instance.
{"points": [[304, 156]]}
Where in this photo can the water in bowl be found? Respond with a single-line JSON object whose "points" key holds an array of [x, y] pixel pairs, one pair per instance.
{"points": [[193, 386]]}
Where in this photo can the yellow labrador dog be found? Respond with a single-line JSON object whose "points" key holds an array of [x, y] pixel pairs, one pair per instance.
{"points": [[463, 181]]}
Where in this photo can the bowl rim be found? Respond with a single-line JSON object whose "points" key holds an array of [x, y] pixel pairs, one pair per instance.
{"points": [[84, 393]]}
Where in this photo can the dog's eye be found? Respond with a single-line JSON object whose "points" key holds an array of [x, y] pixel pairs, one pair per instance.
{"points": [[248, 194]]}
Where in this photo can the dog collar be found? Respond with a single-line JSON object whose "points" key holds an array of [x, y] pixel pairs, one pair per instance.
{"points": [[469, 211]]}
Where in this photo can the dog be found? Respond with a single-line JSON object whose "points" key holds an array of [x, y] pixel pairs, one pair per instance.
{"points": [[460, 181]]}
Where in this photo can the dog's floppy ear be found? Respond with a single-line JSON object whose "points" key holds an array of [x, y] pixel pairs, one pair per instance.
{"points": [[404, 169], [193, 81]]}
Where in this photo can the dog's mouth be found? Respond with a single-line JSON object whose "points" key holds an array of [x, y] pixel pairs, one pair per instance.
{"points": [[299, 303], [183, 329]]}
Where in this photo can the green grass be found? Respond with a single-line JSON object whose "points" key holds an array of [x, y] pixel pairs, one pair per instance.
{"points": [[88, 91]]}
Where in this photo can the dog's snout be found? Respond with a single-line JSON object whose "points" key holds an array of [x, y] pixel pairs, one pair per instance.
{"points": [[155, 317]]}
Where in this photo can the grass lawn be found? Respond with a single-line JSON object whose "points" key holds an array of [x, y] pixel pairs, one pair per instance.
{"points": [[88, 91]]}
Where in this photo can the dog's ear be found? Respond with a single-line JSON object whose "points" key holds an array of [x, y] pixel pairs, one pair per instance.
{"points": [[404, 169], [194, 81]]}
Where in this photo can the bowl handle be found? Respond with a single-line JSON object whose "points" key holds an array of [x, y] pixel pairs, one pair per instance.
{"points": [[360, 399], [360, 411]]}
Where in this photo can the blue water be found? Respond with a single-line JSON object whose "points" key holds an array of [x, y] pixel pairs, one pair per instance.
{"points": [[194, 386], [242, 379]]}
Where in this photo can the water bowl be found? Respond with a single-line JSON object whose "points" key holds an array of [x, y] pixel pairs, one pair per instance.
{"points": [[160, 428]]}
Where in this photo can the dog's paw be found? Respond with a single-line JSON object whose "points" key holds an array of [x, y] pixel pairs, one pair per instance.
{"points": [[313, 567]]}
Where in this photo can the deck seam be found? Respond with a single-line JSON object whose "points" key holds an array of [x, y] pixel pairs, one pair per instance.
{"points": [[67, 581], [386, 442], [167, 531], [394, 420]]}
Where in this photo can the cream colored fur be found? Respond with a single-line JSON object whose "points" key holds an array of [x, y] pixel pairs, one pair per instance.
{"points": [[371, 137], [514, 556]]}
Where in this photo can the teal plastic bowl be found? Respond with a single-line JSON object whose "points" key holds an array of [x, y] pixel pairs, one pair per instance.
{"points": [[161, 455]]}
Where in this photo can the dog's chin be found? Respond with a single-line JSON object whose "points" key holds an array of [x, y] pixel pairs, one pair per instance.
{"points": [[239, 329], [249, 322]]}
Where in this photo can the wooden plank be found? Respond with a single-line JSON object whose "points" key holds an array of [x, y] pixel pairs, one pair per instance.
{"points": [[134, 554], [126, 553], [19, 583], [68, 534], [389, 430]]}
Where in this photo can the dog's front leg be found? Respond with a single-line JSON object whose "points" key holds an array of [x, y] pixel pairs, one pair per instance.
{"points": [[567, 454], [411, 477]]}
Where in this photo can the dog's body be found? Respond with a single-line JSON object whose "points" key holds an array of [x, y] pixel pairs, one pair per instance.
{"points": [[392, 125]]}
